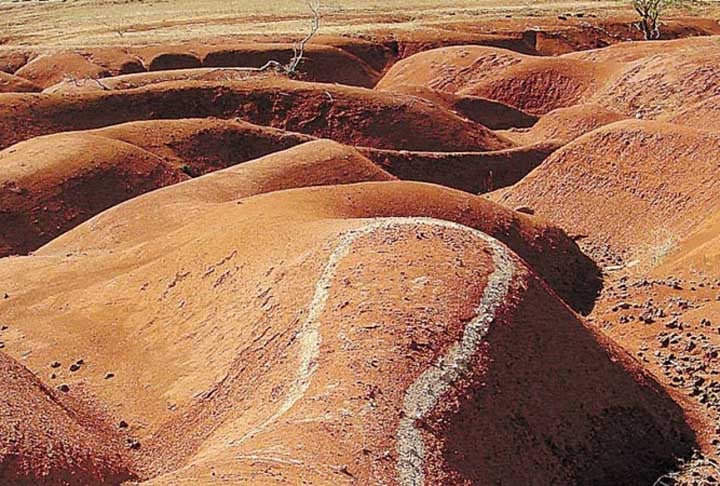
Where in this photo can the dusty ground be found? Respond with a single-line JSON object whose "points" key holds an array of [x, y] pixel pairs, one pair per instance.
{"points": [[465, 243], [90, 22]]}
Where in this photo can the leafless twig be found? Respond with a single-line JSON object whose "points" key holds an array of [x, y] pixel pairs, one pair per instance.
{"points": [[289, 69]]}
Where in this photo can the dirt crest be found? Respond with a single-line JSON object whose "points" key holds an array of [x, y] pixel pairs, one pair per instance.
{"points": [[631, 188], [46, 439], [349, 115], [644, 79], [342, 352]]}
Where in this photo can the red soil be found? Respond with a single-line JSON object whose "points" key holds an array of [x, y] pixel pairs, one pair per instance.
{"points": [[630, 187], [51, 184], [544, 35], [549, 250], [379, 54], [46, 70], [491, 114], [13, 59], [15, 84], [317, 163], [644, 79], [537, 85], [449, 69], [46, 440], [349, 115], [173, 60], [138, 80], [241, 384], [541, 85], [704, 115], [296, 314], [324, 64], [475, 172], [565, 124], [202, 145]]}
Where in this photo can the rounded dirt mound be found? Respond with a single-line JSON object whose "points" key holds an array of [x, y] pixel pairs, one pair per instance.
{"points": [[311, 334], [665, 82], [15, 84], [54, 183], [173, 60], [51, 184], [354, 116], [45, 440], [449, 69], [13, 59], [533, 84], [556, 257], [201, 145], [317, 163], [475, 172], [377, 54], [648, 80], [492, 114], [323, 64], [633, 187], [704, 115], [47, 70], [566, 124], [540, 85]]}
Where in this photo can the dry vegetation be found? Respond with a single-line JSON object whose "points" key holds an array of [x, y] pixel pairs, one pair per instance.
{"points": [[92, 22]]}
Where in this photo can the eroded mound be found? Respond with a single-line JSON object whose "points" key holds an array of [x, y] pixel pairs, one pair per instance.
{"points": [[51, 184], [46, 70], [566, 124], [647, 80], [537, 85], [353, 116], [15, 84], [550, 251], [475, 172], [318, 163], [632, 187], [201, 145], [316, 343], [492, 114], [540, 85], [449, 69], [54, 183], [79, 66], [46, 440]]}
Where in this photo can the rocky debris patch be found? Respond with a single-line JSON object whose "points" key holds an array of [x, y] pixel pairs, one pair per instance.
{"points": [[664, 323], [698, 471]]}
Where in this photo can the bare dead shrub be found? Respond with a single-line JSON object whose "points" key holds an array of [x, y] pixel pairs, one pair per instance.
{"points": [[650, 12]]}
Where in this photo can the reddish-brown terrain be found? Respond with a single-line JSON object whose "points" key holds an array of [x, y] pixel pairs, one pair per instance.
{"points": [[452, 254]]}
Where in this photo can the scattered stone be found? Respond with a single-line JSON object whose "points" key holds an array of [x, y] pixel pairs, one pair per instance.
{"points": [[621, 305]]}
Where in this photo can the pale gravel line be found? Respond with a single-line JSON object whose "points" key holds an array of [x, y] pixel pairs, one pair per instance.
{"points": [[422, 396]]}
